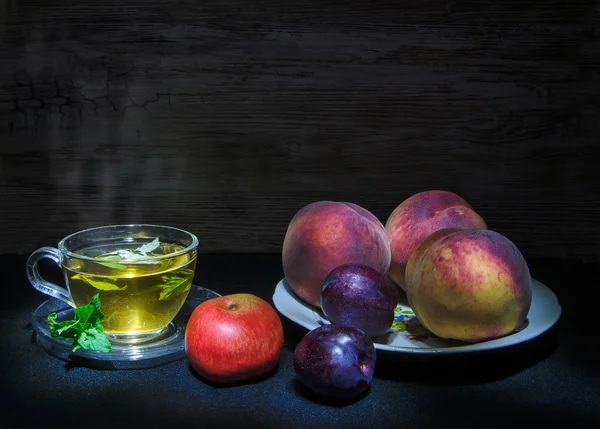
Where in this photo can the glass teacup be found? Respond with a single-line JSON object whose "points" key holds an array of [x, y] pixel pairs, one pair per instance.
{"points": [[142, 274]]}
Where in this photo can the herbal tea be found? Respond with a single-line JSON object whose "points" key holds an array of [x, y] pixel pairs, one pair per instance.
{"points": [[140, 290]]}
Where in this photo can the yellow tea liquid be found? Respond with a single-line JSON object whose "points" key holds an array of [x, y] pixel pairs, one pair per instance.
{"points": [[136, 296]]}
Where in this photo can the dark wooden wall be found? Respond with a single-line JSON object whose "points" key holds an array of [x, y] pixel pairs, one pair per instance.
{"points": [[225, 117]]}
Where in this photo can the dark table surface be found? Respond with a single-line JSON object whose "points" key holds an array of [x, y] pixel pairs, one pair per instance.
{"points": [[551, 381]]}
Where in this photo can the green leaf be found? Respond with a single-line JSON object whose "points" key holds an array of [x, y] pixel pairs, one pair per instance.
{"points": [[95, 302], [52, 324], [81, 342], [166, 263], [85, 330], [97, 340], [113, 265], [92, 339], [176, 284], [112, 257], [65, 329], [83, 313], [99, 284], [98, 326], [68, 328]]}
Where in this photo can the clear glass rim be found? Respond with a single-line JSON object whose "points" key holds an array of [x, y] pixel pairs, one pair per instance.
{"points": [[63, 249]]}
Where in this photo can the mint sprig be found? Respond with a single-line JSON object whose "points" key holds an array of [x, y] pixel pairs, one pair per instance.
{"points": [[85, 330]]}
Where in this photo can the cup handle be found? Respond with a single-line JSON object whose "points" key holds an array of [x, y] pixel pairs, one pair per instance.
{"points": [[38, 282]]}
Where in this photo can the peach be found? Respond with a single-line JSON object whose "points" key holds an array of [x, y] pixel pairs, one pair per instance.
{"points": [[326, 234], [419, 216], [468, 284]]}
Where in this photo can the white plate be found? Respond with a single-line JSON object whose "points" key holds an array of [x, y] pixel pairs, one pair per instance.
{"points": [[407, 335]]}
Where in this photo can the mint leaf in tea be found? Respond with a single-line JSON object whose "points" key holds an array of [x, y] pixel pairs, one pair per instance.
{"points": [[142, 287], [175, 284], [85, 331], [139, 253], [107, 284]]}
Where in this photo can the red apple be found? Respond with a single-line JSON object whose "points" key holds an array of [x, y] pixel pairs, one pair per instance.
{"points": [[233, 338]]}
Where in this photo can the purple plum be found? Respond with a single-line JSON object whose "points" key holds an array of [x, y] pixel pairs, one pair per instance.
{"points": [[360, 296], [335, 361]]}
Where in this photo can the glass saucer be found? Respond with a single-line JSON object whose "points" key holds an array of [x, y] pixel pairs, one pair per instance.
{"points": [[169, 346]]}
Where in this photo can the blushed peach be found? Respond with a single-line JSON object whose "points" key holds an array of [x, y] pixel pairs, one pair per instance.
{"points": [[469, 284], [419, 216], [326, 234]]}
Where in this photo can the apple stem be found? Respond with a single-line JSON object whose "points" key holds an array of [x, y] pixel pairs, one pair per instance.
{"points": [[233, 306]]}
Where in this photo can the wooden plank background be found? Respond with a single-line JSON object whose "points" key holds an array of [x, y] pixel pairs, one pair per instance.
{"points": [[226, 117]]}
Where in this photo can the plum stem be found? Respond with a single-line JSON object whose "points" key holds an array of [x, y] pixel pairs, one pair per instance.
{"points": [[362, 365]]}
